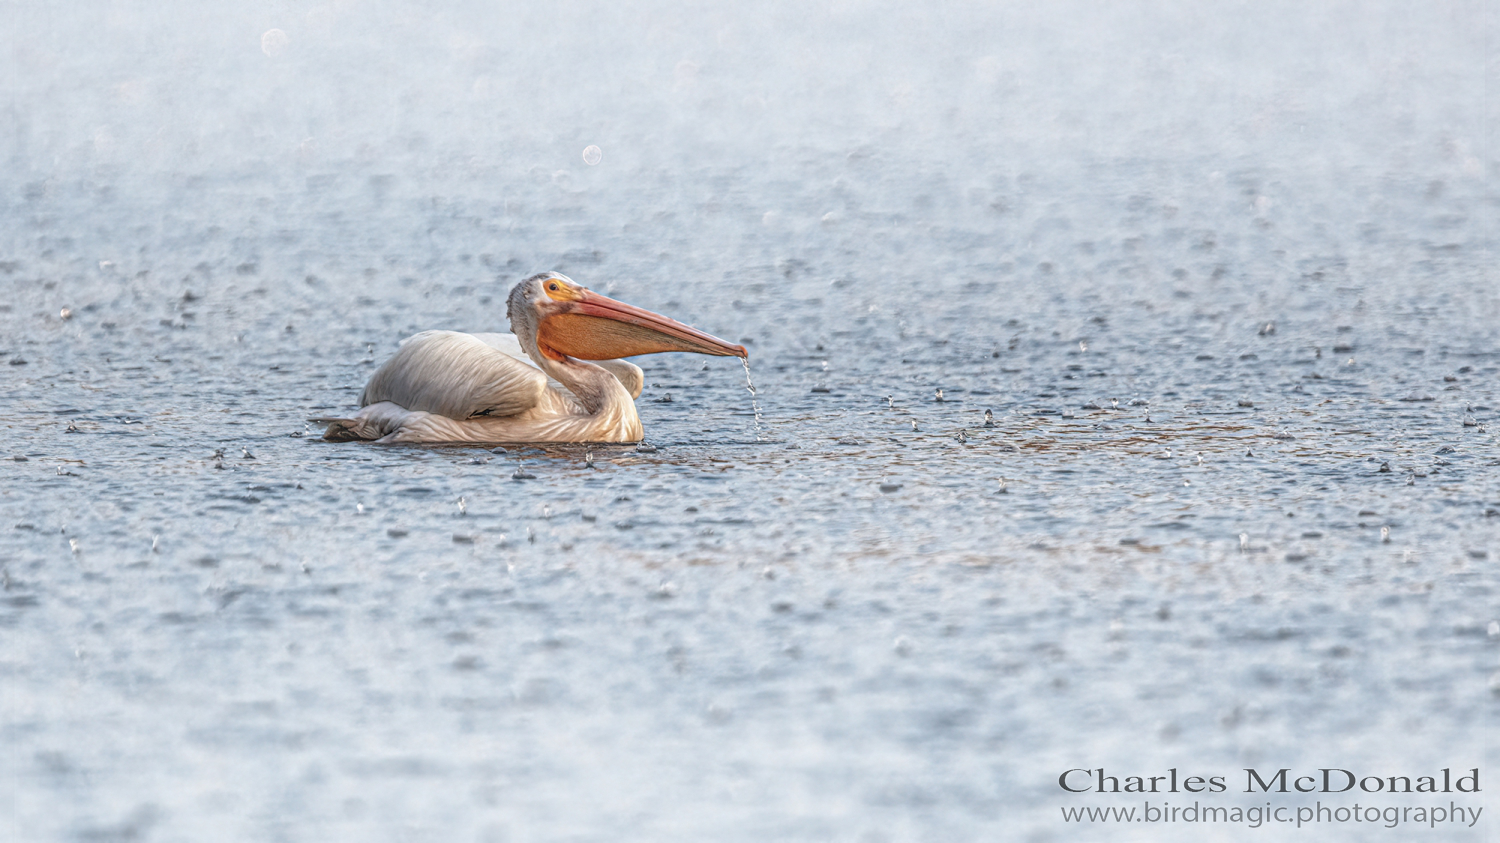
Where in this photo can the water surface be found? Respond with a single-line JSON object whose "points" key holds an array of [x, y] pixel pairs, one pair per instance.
{"points": [[1221, 273]]}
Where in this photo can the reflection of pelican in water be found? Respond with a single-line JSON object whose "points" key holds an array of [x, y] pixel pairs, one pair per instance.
{"points": [[443, 386]]}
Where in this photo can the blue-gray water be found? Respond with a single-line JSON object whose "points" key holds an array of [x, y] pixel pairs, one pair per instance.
{"points": [[1222, 273]]}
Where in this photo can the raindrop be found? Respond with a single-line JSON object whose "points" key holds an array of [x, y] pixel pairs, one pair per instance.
{"points": [[273, 42], [592, 155], [155, 543], [73, 545], [1385, 535], [65, 314], [1244, 542], [359, 509], [463, 507], [1083, 346]]}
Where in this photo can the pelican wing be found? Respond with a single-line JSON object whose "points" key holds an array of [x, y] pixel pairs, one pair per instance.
{"points": [[456, 375]]}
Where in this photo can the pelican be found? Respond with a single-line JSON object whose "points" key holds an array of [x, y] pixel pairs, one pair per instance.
{"points": [[556, 378]]}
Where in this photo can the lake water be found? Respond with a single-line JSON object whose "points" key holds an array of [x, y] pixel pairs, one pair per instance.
{"points": [[1221, 273]]}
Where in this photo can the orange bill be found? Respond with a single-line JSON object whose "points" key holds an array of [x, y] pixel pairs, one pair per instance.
{"points": [[597, 327]]}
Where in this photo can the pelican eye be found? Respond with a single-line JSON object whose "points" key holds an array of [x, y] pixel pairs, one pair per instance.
{"points": [[559, 290]]}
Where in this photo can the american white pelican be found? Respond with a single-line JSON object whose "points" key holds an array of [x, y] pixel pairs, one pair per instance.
{"points": [[444, 386]]}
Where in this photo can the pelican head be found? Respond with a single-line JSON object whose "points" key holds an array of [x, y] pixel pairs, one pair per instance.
{"points": [[555, 318]]}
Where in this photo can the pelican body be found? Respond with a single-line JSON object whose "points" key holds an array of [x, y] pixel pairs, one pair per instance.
{"points": [[557, 378]]}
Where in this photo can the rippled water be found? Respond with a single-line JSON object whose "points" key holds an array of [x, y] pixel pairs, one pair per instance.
{"points": [[1222, 274]]}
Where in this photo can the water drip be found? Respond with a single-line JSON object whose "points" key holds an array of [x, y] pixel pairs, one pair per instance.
{"points": [[754, 400]]}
